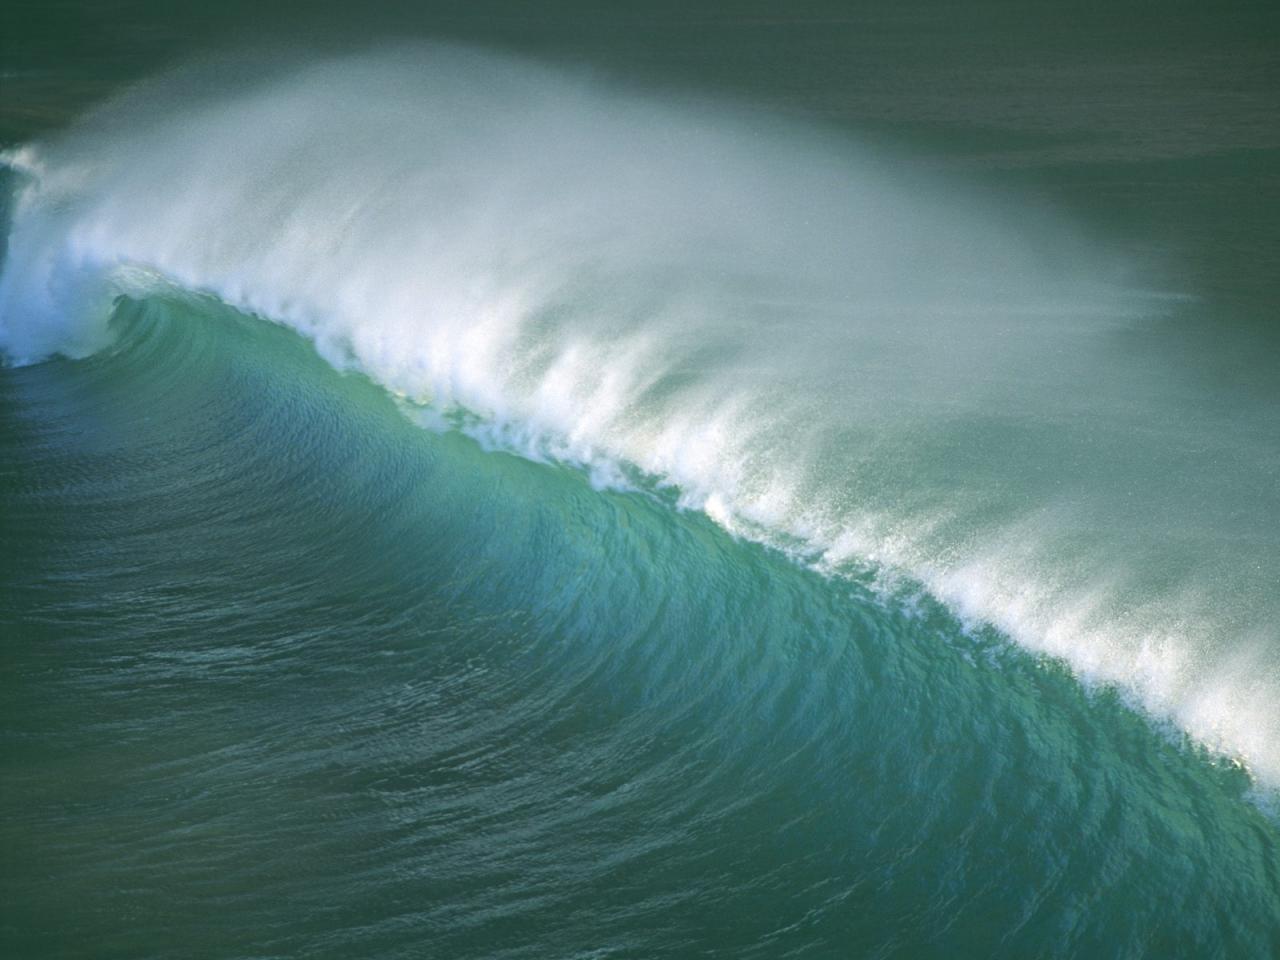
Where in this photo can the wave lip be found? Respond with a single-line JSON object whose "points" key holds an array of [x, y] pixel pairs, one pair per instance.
{"points": [[816, 348]]}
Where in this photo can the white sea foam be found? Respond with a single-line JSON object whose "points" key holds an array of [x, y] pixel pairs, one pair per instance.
{"points": [[804, 338]]}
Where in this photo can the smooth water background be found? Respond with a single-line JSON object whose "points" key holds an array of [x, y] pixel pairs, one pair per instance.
{"points": [[287, 674]]}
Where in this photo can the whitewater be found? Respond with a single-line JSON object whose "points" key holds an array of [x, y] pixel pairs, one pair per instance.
{"points": [[821, 346]]}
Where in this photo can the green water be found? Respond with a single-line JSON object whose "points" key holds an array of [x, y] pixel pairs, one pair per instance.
{"points": [[796, 484]]}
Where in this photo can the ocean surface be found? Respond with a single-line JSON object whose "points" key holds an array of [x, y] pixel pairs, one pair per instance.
{"points": [[552, 481]]}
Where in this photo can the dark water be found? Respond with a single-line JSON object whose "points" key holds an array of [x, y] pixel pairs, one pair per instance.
{"points": [[794, 484]]}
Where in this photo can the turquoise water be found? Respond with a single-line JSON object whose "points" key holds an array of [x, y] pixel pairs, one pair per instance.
{"points": [[460, 504], [456, 701]]}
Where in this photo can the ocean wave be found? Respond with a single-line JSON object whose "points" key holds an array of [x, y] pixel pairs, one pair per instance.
{"points": [[810, 342]]}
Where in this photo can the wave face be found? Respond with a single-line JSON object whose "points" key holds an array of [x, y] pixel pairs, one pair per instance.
{"points": [[291, 676], [280, 655]]}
